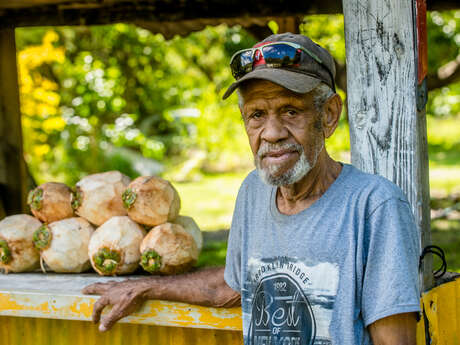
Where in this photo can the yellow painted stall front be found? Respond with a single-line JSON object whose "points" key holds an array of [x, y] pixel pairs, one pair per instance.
{"points": [[49, 309], [38, 309], [441, 307]]}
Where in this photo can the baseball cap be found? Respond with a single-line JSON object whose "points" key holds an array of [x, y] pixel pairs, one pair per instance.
{"points": [[301, 78]]}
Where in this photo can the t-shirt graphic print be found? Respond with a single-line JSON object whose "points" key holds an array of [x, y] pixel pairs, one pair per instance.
{"points": [[291, 301]]}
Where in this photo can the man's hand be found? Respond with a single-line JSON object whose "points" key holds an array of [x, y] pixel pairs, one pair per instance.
{"points": [[399, 329], [124, 297], [206, 287]]}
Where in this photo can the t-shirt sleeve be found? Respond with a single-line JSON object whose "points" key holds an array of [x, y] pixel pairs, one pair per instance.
{"points": [[232, 273], [390, 281]]}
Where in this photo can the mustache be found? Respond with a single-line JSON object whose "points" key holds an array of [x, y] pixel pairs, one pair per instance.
{"points": [[267, 147]]}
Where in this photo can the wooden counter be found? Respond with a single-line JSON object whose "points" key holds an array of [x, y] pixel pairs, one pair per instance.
{"points": [[38, 309], [50, 309]]}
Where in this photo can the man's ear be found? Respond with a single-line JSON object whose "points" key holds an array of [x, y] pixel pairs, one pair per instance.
{"points": [[332, 109]]}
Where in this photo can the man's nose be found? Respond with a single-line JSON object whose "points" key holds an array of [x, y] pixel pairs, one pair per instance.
{"points": [[274, 130]]}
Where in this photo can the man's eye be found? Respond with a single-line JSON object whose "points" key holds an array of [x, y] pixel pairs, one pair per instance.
{"points": [[291, 112], [256, 115]]}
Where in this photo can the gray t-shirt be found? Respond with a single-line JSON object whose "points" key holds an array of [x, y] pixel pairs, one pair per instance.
{"points": [[323, 275]]}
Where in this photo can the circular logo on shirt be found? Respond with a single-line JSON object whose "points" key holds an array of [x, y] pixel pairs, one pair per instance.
{"points": [[281, 313]]}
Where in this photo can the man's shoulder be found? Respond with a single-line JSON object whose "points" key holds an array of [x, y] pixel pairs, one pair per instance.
{"points": [[252, 182], [252, 190], [373, 187]]}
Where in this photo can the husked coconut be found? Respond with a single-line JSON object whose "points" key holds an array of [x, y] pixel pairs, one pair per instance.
{"points": [[114, 246], [51, 202], [151, 201], [189, 225], [17, 252], [97, 197], [63, 245], [168, 249]]}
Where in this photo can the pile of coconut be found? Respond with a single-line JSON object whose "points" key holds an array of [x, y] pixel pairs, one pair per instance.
{"points": [[106, 222]]}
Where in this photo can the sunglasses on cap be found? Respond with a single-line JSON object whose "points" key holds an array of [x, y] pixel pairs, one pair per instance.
{"points": [[275, 54]]}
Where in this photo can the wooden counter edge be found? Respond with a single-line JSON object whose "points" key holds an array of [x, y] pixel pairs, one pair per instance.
{"points": [[79, 307]]}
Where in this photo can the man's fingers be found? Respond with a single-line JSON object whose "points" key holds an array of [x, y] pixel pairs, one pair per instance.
{"points": [[109, 320], [100, 304], [96, 289]]}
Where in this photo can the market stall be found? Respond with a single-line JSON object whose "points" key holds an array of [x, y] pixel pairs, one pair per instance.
{"points": [[36, 308]]}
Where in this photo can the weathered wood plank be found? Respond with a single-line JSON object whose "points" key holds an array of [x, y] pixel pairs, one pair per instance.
{"points": [[34, 3], [158, 13], [388, 137], [322, 6], [12, 167], [172, 6], [104, 12], [55, 295]]}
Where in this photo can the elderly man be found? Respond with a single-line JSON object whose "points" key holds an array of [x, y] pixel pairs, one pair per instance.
{"points": [[319, 252]]}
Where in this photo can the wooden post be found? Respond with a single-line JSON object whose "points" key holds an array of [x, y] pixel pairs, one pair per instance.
{"points": [[13, 178], [387, 131], [289, 24]]}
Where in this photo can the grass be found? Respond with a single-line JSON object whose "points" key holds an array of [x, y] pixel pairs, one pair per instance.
{"points": [[213, 254], [444, 154], [446, 234], [211, 200], [444, 180]]}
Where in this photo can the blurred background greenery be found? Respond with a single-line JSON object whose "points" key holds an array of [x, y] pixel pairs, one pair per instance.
{"points": [[119, 97]]}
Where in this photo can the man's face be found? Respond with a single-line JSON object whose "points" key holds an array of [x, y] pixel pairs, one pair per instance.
{"points": [[284, 129]]}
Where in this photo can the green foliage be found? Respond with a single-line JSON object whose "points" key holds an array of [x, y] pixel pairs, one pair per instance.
{"points": [[443, 37], [443, 47], [122, 86], [327, 31]]}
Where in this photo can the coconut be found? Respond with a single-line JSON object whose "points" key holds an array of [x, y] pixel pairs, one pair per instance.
{"points": [[97, 197], [189, 225], [114, 246], [63, 245], [151, 201], [51, 202], [168, 249], [17, 252]]}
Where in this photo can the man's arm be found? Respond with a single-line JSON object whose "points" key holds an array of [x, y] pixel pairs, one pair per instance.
{"points": [[206, 287], [399, 329]]}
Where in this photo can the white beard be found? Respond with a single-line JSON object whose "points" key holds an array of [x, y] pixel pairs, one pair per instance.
{"points": [[301, 168]]}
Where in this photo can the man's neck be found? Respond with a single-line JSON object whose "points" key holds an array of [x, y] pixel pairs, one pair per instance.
{"points": [[297, 197]]}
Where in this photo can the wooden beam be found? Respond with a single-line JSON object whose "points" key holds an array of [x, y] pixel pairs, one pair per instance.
{"points": [[321, 6], [289, 24], [388, 133], [63, 12], [12, 167], [170, 12], [35, 3]]}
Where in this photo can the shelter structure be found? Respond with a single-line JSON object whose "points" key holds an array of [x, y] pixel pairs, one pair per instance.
{"points": [[386, 84]]}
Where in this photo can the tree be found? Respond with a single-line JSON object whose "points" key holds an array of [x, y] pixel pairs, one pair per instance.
{"points": [[121, 86]]}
